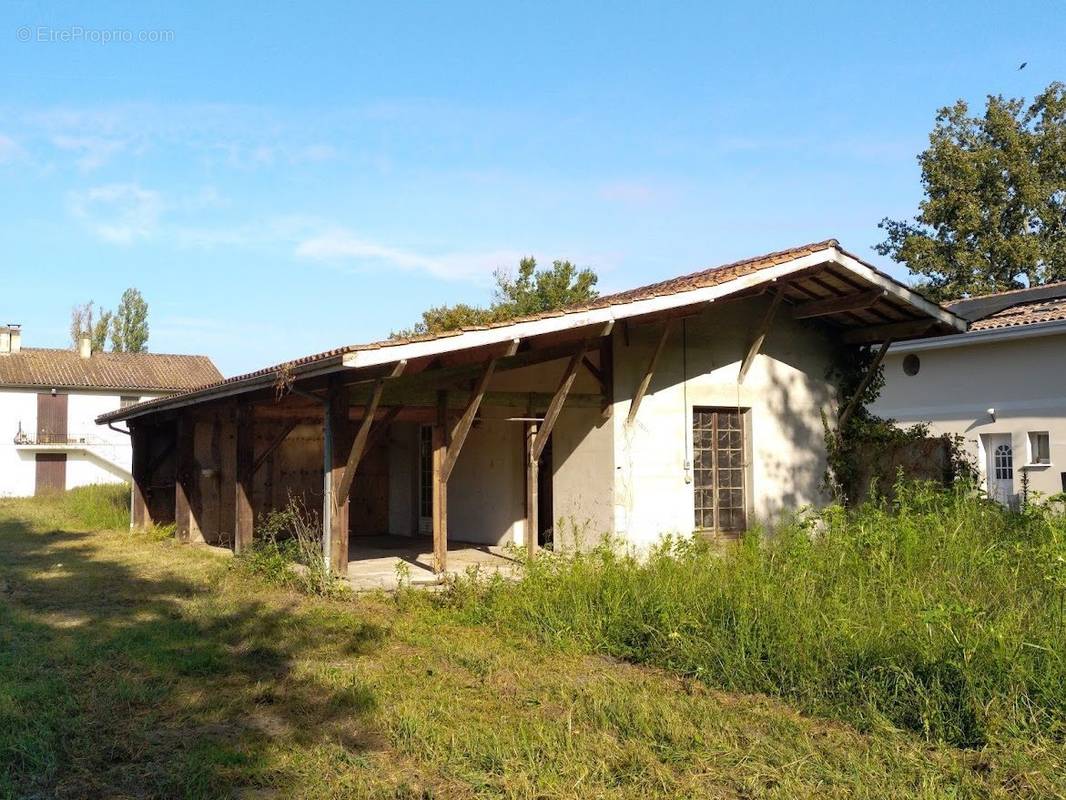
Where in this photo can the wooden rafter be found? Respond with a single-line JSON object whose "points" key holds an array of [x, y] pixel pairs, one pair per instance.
{"points": [[645, 382], [836, 305], [556, 405], [760, 335], [863, 385], [895, 330]]}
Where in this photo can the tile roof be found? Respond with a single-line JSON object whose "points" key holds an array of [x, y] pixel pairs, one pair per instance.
{"points": [[1031, 313], [55, 368]]}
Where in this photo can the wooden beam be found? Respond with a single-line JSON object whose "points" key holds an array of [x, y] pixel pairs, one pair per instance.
{"points": [[837, 305], [274, 444], [462, 428], [556, 405], [341, 430], [760, 335], [642, 387], [863, 385], [894, 330], [185, 476], [595, 372], [355, 455], [244, 443], [140, 441], [607, 370], [440, 489], [532, 478]]}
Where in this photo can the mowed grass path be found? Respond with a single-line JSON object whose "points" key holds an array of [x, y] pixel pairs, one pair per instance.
{"points": [[133, 667]]}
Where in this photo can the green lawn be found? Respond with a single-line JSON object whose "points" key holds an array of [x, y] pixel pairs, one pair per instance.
{"points": [[134, 667]]}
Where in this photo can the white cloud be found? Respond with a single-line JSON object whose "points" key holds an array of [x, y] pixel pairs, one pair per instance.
{"points": [[93, 151], [9, 150], [344, 247], [119, 213]]}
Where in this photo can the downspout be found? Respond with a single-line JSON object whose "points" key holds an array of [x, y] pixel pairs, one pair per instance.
{"points": [[111, 425], [327, 475]]}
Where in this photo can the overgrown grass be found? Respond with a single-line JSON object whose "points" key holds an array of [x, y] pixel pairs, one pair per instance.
{"points": [[133, 667], [943, 615], [100, 506]]}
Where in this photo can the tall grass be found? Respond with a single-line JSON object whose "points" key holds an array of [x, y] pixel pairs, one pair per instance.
{"points": [[104, 506], [943, 615]]}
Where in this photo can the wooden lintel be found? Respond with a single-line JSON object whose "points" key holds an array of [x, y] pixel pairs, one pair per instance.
{"points": [[274, 443], [760, 336], [837, 305], [894, 330], [863, 385], [649, 372]]}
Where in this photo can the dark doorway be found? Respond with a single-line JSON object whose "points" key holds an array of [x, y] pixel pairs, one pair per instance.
{"points": [[368, 508], [545, 506], [51, 473]]}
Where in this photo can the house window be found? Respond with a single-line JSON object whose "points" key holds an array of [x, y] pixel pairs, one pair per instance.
{"points": [[719, 464], [1003, 463], [1039, 447], [126, 401], [425, 472]]}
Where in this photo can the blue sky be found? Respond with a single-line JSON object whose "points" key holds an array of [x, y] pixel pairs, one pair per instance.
{"points": [[281, 181]]}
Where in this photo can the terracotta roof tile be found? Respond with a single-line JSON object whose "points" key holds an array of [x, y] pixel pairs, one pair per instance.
{"points": [[54, 368], [1031, 313]]}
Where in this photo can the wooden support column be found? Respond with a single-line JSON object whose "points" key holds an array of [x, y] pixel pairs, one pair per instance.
{"points": [[532, 478], [760, 336], [649, 373], [440, 486], [341, 431], [244, 442], [184, 478], [863, 385], [140, 440]]}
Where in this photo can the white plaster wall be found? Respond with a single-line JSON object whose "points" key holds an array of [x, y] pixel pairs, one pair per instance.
{"points": [[1022, 379], [107, 460], [786, 391], [18, 470]]}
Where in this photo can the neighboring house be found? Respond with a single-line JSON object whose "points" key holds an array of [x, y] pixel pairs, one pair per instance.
{"points": [[694, 404], [49, 400], [1001, 386]]}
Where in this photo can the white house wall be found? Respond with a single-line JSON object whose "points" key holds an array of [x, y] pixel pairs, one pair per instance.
{"points": [[106, 460], [1021, 379], [786, 391]]}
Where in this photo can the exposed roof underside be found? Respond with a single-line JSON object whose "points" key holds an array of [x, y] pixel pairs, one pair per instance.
{"points": [[65, 369], [819, 280]]}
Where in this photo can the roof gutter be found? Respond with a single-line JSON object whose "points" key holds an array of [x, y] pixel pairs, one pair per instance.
{"points": [[987, 336]]}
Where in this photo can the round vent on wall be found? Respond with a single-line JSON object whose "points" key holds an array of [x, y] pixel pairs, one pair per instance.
{"points": [[911, 364]]}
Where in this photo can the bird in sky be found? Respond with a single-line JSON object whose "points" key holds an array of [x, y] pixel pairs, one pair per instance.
{"points": [[1022, 66]]}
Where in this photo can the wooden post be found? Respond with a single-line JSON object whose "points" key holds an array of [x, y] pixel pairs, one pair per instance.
{"points": [[532, 475], [140, 440], [341, 430], [440, 486], [184, 477], [244, 442]]}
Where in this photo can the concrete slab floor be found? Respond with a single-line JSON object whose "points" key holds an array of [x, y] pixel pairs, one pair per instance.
{"points": [[373, 560]]}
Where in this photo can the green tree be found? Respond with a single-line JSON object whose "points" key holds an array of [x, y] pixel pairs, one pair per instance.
{"points": [[994, 213], [129, 326], [84, 320], [527, 291]]}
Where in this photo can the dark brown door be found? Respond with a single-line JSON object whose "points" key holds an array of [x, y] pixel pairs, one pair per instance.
{"points": [[51, 473], [51, 419]]}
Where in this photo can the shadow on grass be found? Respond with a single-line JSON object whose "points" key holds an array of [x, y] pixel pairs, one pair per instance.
{"points": [[117, 684]]}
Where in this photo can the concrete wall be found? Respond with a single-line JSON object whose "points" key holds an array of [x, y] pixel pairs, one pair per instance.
{"points": [[954, 388], [107, 460], [784, 394]]}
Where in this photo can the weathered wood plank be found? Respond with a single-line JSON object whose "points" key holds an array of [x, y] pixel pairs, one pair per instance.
{"points": [[837, 305], [244, 443]]}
